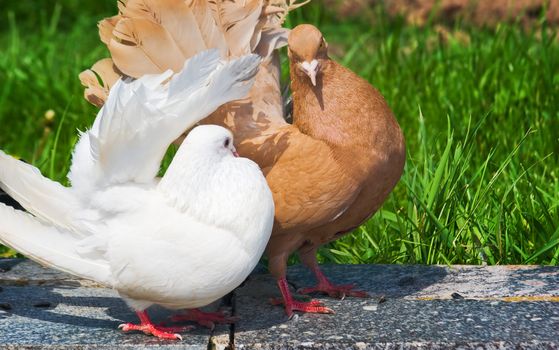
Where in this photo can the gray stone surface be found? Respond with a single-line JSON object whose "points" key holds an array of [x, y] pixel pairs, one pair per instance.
{"points": [[412, 307], [421, 308]]}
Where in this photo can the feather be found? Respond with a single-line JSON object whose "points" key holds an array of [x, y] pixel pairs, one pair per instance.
{"points": [[142, 117], [143, 47], [237, 21], [211, 33], [277, 10], [97, 91], [42, 197], [195, 70], [49, 246], [106, 28], [175, 16], [270, 40]]}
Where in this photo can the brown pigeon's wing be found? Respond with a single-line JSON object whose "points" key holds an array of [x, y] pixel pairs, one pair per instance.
{"points": [[319, 189]]}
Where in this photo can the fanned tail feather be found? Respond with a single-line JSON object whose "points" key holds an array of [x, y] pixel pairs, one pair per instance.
{"points": [[49, 245], [151, 36], [143, 117], [44, 198], [231, 81]]}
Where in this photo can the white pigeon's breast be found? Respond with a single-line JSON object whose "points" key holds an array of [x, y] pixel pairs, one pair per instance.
{"points": [[177, 262]]}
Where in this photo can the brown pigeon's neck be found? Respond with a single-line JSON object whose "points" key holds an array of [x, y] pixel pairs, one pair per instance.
{"points": [[316, 108]]}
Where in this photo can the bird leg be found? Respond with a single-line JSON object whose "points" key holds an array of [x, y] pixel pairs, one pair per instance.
{"points": [[291, 305], [308, 257], [148, 327], [206, 319], [335, 291]]}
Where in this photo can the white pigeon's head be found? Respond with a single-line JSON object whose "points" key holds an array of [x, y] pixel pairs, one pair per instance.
{"points": [[211, 138]]}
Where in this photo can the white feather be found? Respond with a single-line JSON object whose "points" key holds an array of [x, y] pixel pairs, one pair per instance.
{"points": [[44, 198], [49, 245], [142, 117]]}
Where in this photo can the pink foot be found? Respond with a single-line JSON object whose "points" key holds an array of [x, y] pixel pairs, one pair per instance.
{"points": [[206, 319], [326, 287], [149, 328], [313, 306]]}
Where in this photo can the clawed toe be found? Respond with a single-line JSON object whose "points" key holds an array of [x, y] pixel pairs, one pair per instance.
{"points": [[146, 326], [313, 306], [150, 329]]}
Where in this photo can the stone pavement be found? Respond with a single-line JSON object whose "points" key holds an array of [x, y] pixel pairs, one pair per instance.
{"points": [[412, 307]]}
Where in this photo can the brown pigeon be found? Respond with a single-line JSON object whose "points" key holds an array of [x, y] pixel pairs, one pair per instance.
{"points": [[333, 168]]}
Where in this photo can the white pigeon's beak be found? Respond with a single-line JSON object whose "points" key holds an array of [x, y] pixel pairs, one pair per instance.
{"points": [[311, 69], [234, 151]]}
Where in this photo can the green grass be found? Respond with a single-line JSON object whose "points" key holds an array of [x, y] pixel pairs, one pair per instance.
{"points": [[481, 120]]}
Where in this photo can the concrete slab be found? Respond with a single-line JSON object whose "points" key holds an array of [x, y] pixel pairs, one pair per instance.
{"points": [[413, 307]]}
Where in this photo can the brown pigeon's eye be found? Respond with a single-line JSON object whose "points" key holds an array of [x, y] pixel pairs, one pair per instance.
{"points": [[226, 143]]}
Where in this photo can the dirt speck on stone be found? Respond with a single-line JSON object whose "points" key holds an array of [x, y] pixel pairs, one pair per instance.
{"points": [[456, 296], [42, 304], [406, 281]]}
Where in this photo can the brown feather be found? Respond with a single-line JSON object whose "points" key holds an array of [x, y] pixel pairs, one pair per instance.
{"points": [[98, 81], [211, 33], [175, 16], [144, 47], [277, 17], [270, 40], [106, 28], [237, 21]]}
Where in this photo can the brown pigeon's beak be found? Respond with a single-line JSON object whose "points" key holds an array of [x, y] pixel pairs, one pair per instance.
{"points": [[311, 69]]}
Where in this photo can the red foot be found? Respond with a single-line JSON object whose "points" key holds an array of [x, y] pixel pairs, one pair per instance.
{"points": [[313, 306], [340, 291], [206, 319], [149, 328]]}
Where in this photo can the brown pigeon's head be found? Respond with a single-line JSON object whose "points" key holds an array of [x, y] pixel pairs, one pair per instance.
{"points": [[307, 50]]}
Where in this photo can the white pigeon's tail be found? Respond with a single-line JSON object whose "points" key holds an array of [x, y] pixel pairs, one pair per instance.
{"points": [[142, 117], [42, 197], [49, 245]]}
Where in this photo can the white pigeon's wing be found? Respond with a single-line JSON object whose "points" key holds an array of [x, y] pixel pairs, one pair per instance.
{"points": [[49, 245], [141, 118], [44, 198]]}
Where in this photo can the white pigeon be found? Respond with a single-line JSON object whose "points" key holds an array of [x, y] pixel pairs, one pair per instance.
{"points": [[181, 242]]}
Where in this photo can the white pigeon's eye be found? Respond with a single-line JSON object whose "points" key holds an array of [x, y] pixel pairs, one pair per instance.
{"points": [[227, 142]]}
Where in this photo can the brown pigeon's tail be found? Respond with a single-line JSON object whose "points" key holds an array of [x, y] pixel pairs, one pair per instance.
{"points": [[151, 36]]}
